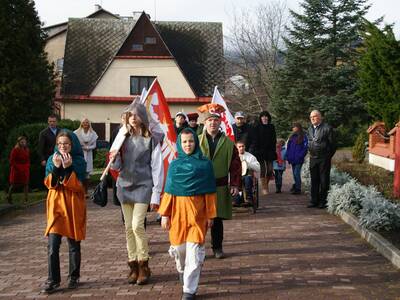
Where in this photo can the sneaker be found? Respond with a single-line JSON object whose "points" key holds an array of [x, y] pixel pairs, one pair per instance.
{"points": [[73, 283], [50, 287], [219, 254], [296, 192], [187, 296]]}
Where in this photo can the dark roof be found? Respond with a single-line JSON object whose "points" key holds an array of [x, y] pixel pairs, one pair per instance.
{"points": [[92, 44]]}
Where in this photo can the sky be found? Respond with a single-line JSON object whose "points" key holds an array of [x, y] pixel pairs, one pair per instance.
{"points": [[58, 11]]}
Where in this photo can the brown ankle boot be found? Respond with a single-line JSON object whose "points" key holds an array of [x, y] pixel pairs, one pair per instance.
{"points": [[144, 272], [134, 271]]}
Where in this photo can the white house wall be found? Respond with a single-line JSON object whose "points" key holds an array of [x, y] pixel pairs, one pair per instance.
{"points": [[109, 112], [116, 81], [55, 47]]}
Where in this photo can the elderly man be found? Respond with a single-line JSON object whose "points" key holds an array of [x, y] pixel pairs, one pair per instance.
{"points": [[321, 147], [241, 129], [227, 170]]}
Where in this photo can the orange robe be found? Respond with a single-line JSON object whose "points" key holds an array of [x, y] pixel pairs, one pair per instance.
{"points": [[188, 215], [66, 208]]}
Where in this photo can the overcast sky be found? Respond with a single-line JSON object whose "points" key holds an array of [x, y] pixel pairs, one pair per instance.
{"points": [[57, 11]]}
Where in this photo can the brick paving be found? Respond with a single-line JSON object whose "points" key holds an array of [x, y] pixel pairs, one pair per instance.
{"points": [[284, 251]]}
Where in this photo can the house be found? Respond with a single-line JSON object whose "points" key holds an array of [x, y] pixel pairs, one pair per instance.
{"points": [[105, 60]]}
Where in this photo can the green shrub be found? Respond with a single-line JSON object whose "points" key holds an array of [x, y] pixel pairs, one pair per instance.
{"points": [[358, 150], [31, 131], [99, 160]]}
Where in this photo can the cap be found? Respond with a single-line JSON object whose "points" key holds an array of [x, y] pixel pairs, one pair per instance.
{"points": [[239, 114], [179, 113], [193, 116], [211, 110]]}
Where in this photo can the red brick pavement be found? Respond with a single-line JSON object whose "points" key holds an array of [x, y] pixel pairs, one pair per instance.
{"points": [[284, 251]]}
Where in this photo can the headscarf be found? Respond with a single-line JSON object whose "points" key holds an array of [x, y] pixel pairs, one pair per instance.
{"points": [[190, 175], [89, 137], [78, 160]]}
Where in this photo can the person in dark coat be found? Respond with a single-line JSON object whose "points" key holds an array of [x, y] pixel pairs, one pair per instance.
{"points": [[263, 146], [196, 127], [321, 147], [296, 150], [47, 140], [180, 122], [241, 129]]}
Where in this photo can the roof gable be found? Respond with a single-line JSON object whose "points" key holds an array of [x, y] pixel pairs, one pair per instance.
{"points": [[92, 44], [198, 49], [139, 36]]}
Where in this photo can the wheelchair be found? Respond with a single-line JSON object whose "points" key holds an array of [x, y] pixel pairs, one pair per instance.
{"points": [[255, 194]]}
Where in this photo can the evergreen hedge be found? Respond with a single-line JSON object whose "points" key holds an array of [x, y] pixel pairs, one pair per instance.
{"points": [[31, 131]]}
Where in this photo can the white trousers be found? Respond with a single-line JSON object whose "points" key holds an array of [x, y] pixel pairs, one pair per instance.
{"points": [[189, 258]]}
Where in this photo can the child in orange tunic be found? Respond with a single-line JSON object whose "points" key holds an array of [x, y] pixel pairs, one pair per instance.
{"points": [[66, 207], [188, 208]]}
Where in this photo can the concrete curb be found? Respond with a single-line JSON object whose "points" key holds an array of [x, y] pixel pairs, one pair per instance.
{"points": [[382, 245]]}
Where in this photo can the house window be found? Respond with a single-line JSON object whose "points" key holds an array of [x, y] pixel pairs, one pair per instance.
{"points": [[137, 47], [59, 65], [150, 40], [140, 82]]}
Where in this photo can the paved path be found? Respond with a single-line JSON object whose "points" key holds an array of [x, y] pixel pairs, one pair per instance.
{"points": [[284, 251]]}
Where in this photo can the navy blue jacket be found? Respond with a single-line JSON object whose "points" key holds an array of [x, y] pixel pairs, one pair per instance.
{"points": [[295, 153]]}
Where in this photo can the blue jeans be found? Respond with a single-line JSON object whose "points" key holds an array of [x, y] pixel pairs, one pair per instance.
{"points": [[296, 169], [278, 178], [247, 182]]}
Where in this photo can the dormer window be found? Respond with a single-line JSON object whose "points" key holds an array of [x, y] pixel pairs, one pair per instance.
{"points": [[137, 47], [150, 40]]}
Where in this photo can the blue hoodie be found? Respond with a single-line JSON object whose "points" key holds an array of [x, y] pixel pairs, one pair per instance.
{"points": [[295, 153]]}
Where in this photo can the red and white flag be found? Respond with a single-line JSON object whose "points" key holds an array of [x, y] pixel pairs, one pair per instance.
{"points": [[161, 123], [226, 117]]}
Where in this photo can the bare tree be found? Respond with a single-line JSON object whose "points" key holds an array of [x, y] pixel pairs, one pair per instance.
{"points": [[253, 50]]}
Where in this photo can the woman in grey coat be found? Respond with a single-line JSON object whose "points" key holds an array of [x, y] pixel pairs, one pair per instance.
{"points": [[139, 185]]}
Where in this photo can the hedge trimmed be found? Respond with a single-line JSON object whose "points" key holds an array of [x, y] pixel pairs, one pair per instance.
{"points": [[31, 131]]}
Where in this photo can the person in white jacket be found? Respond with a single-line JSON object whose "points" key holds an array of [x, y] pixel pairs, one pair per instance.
{"points": [[250, 169], [87, 138]]}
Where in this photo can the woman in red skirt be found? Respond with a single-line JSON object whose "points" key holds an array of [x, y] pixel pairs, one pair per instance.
{"points": [[19, 168]]}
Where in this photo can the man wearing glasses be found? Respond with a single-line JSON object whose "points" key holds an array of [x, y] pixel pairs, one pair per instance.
{"points": [[321, 147]]}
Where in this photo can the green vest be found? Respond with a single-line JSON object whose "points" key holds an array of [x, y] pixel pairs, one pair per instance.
{"points": [[221, 163]]}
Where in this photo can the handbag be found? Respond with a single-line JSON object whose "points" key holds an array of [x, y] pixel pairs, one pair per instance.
{"points": [[99, 195]]}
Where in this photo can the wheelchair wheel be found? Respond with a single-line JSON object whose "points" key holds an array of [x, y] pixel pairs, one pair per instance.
{"points": [[255, 196]]}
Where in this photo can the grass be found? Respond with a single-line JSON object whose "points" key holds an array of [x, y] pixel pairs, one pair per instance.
{"points": [[368, 174], [18, 199]]}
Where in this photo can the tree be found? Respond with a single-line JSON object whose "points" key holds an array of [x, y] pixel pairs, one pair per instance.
{"points": [[379, 73], [319, 71], [253, 55], [26, 78]]}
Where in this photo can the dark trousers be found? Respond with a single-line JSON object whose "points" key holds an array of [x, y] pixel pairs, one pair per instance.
{"points": [[278, 179], [217, 234], [53, 252], [320, 170]]}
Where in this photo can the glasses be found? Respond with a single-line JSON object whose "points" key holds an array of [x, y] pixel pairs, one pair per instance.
{"points": [[63, 144]]}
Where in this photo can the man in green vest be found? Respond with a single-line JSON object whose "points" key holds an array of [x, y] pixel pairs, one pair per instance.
{"points": [[227, 170]]}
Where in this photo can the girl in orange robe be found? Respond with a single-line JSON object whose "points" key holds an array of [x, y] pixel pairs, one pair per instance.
{"points": [[188, 208], [66, 207]]}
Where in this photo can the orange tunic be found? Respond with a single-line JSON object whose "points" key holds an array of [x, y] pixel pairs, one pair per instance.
{"points": [[66, 208], [189, 215]]}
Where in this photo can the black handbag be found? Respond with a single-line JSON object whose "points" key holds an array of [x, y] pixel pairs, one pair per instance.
{"points": [[99, 195]]}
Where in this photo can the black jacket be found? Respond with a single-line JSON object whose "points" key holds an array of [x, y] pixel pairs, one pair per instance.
{"points": [[321, 142], [242, 134], [47, 141], [263, 142]]}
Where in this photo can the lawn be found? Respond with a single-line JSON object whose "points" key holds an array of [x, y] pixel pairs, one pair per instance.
{"points": [[18, 198]]}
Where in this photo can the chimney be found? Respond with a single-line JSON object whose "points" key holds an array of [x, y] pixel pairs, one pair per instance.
{"points": [[97, 7]]}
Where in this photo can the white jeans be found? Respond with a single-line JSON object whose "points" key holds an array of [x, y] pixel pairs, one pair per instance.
{"points": [[189, 258]]}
